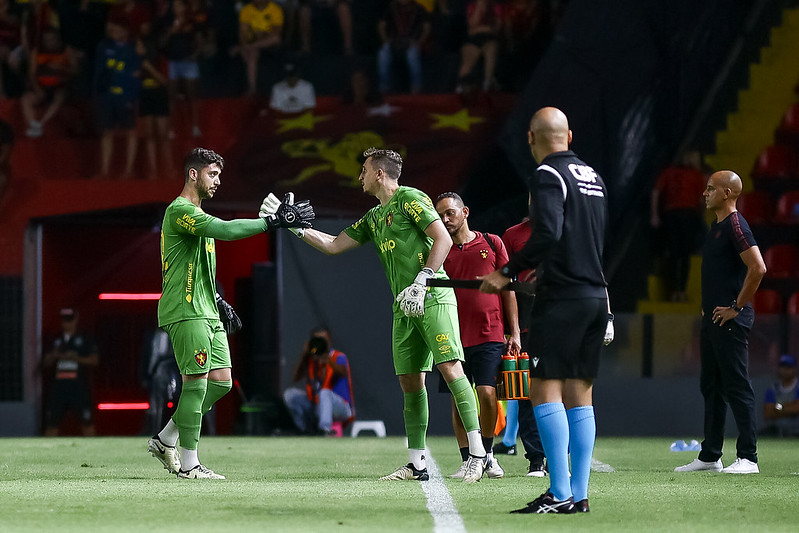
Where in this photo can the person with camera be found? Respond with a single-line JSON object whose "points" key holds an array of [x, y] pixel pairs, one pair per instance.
{"points": [[328, 387]]}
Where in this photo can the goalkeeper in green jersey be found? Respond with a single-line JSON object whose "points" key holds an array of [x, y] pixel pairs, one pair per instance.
{"points": [[192, 313], [412, 243]]}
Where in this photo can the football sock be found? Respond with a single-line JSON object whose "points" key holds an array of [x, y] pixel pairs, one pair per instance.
{"points": [[553, 427], [466, 404], [488, 444], [215, 391], [416, 415], [582, 435], [416, 457], [169, 435], [464, 453], [188, 414], [188, 459], [511, 423]]}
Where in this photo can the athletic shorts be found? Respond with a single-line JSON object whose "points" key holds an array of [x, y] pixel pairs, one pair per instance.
{"points": [[184, 70], [200, 345], [566, 338], [68, 395], [481, 365], [419, 342], [114, 112]]}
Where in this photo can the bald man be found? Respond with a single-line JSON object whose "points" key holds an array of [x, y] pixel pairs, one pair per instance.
{"points": [[732, 268], [571, 317]]}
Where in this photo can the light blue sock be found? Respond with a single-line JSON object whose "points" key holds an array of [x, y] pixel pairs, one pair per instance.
{"points": [[511, 423], [582, 435], [553, 426]]}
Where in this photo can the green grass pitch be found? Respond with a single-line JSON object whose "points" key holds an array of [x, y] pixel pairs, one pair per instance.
{"points": [[327, 484]]}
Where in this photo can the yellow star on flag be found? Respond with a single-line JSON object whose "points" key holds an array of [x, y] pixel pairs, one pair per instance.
{"points": [[306, 121], [460, 120]]}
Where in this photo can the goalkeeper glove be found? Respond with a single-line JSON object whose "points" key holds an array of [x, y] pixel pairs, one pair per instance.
{"points": [[287, 214], [609, 333], [230, 320], [411, 299]]}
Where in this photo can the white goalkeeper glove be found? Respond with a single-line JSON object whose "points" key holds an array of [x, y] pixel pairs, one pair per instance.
{"points": [[609, 333], [411, 299], [270, 206]]}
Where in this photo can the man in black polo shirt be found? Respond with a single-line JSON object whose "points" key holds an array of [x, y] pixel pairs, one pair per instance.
{"points": [[732, 268], [570, 318]]}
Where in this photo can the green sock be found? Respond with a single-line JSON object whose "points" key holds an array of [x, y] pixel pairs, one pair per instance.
{"points": [[216, 389], [464, 400], [416, 414], [188, 414]]}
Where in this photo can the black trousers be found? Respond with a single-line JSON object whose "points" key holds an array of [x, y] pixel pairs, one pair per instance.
{"points": [[724, 380], [528, 429]]}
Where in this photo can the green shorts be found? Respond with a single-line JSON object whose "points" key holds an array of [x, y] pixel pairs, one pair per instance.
{"points": [[421, 341], [200, 345]]}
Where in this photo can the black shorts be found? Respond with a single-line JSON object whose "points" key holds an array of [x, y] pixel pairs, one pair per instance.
{"points": [[154, 102], [481, 365], [565, 338], [65, 395], [114, 112]]}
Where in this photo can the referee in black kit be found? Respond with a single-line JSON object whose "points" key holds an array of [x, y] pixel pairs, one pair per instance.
{"points": [[571, 316], [732, 268]]}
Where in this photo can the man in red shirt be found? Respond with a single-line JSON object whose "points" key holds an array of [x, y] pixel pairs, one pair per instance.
{"points": [[481, 321]]}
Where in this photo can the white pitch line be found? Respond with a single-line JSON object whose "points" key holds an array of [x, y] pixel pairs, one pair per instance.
{"points": [[446, 518], [599, 466]]}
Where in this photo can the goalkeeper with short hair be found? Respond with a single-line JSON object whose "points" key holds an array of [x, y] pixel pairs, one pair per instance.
{"points": [[412, 243], [194, 316]]}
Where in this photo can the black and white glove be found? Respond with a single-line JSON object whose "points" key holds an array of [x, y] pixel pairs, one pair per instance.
{"points": [[230, 320], [287, 214], [609, 332], [411, 298]]}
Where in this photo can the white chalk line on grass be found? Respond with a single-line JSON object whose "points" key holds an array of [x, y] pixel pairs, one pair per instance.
{"points": [[599, 466], [446, 518]]}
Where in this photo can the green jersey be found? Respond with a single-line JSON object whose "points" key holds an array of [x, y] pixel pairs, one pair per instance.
{"points": [[397, 230], [188, 259]]}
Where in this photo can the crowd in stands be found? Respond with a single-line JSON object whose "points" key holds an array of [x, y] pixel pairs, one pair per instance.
{"points": [[53, 50]]}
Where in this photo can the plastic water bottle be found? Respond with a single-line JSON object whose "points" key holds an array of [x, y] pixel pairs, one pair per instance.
{"points": [[694, 446], [678, 446]]}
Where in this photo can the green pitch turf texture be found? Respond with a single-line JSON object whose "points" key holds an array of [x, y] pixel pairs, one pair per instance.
{"points": [[328, 484]]}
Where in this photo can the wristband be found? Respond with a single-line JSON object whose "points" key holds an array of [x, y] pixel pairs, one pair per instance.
{"points": [[610, 317], [734, 306]]}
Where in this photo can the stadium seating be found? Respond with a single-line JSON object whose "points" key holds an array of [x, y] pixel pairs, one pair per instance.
{"points": [[757, 207], [782, 261], [787, 208], [767, 301], [788, 131], [775, 162]]}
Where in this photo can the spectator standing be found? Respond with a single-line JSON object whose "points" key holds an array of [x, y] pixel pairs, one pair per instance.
{"points": [[482, 318], [260, 28], [293, 94], [781, 408], [73, 354], [732, 269], [154, 107], [327, 396], [183, 42], [343, 12], [117, 79], [484, 26], [403, 28], [677, 211]]}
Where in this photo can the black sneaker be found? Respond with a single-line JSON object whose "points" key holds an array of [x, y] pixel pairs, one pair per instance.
{"points": [[546, 503], [582, 506], [500, 448], [536, 470]]}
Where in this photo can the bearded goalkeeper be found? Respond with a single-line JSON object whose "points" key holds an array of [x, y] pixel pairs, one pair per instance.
{"points": [[196, 319], [412, 243]]}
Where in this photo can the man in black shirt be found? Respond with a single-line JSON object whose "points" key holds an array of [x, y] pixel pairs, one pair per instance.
{"points": [[571, 316], [732, 268]]}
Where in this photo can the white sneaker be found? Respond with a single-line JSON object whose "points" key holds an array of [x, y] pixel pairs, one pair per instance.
{"points": [[407, 472], [742, 466], [460, 471], [168, 455], [493, 470], [199, 472], [475, 468], [697, 466]]}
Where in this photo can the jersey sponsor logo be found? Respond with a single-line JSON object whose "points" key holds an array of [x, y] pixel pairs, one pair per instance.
{"points": [[187, 223], [414, 210], [210, 247], [201, 356], [189, 281], [389, 219], [387, 246], [442, 337]]}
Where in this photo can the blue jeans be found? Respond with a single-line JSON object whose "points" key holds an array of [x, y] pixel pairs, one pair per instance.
{"points": [[384, 60], [307, 415]]}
